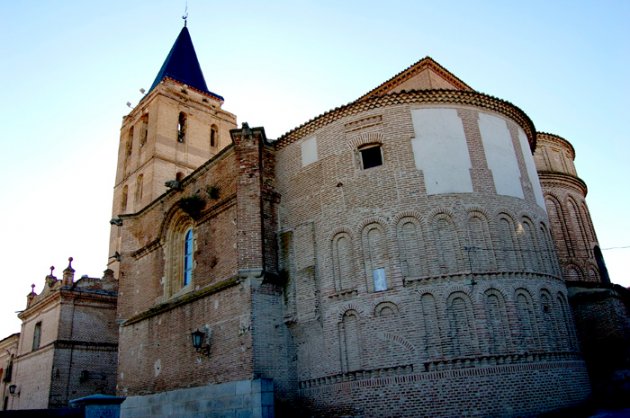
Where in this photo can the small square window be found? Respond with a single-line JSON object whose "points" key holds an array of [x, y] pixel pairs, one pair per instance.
{"points": [[371, 157]]}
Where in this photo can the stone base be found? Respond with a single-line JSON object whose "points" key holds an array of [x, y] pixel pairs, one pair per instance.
{"points": [[242, 399]]}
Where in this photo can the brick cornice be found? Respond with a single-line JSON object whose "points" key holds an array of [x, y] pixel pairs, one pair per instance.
{"points": [[434, 97], [558, 140], [550, 178]]}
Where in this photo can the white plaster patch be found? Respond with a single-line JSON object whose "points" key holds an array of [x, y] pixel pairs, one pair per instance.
{"points": [[309, 151], [531, 169], [500, 155], [440, 151]]}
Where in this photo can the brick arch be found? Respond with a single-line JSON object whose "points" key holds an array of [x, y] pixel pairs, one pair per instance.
{"points": [[397, 339], [523, 290], [407, 214], [340, 230], [382, 305], [592, 272], [365, 138], [484, 288], [372, 220], [567, 268], [440, 211], [460, 288], [172, 217], [472, 210], [340, 312]]}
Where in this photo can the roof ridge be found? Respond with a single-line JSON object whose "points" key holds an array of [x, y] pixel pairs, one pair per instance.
{"points": [[413, 69]]}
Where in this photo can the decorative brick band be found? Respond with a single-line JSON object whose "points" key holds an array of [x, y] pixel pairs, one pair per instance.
{"points": [[356, 376], [497, 360], [408, 281], [404, 374], [440, 96]]}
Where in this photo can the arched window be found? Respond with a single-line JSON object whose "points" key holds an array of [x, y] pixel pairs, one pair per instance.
{"points": [[508, 250], [179, 250], [181, 127], [123, 200], [128, 147], [214, 136], [375, 257], [188, 257], [526, 320], [461, 325], [529, 246], [145, 129], [138, 197], [558, 226], [447, 243], [480, 252], [343, 261], [130, 141], [410, 248], [37, 335], [497, 326], [431, 330], [350, 338]]}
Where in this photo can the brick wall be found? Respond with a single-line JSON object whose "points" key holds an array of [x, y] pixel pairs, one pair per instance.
{"points": [[472, 279], [157, 354], [569, 217]]}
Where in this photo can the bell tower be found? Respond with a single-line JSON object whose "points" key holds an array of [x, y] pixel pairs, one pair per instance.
{"points": [[177, 126]]}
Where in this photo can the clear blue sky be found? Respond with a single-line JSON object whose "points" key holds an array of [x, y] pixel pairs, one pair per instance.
{"points": [[69, 67]]}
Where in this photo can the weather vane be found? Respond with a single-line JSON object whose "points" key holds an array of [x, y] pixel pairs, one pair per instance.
{"points": [[185, 17]]}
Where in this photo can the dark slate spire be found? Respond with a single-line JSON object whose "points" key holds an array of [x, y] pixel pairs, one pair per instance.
{"points": [[182, 65]]}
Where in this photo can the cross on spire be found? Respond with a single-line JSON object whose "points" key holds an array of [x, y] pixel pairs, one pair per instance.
{"points": [[185, 16]]}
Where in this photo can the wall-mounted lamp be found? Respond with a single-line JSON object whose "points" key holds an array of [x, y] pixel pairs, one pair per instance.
{"points": [[201, 340], [116, 221], [13, 390]]}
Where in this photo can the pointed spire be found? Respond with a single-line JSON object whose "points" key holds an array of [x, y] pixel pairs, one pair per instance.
{"points": [[182, 65]]}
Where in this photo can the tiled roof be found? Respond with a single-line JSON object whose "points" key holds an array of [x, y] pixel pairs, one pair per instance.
{"points": [[441, 96]]}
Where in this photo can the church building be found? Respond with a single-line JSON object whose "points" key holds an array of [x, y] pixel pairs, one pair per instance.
{"points": [[406, 254]]}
